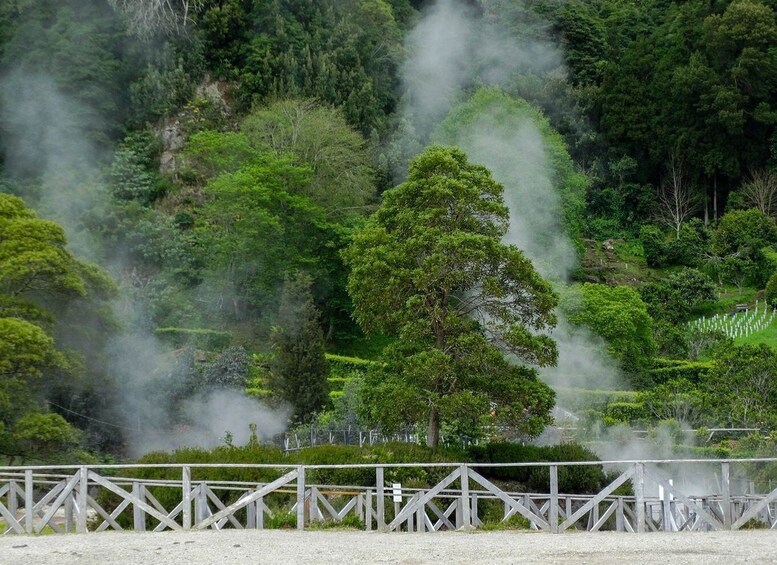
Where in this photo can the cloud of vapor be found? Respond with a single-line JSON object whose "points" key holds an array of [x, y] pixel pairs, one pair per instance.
{"points": [[217, 415], [45, 134], [454, 47], [48, 144], [514, 151]]}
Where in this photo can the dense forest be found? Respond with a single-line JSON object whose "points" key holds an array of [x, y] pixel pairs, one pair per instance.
{"points": [[471, 219]]}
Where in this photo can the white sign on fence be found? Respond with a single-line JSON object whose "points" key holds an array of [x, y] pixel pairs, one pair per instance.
{"points": [[397, 492]]}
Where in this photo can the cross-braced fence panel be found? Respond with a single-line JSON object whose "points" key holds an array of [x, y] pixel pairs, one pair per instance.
{"points": [[642, 497]]}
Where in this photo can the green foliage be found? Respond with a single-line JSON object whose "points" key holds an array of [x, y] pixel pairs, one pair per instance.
{"points": [[299, 369], [744, 231], [318, 137], [580, 399], [197, 338], [256, 226], [771, 291], [738, 244], [582, 479], [619, 315], [427, 259], [512, 159], [653, 242], [665, 370], [743, 385], [43, 436], [343, 53], [40, 281], [626, 412], [677, 399]]}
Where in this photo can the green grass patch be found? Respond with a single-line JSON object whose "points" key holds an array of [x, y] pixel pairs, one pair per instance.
{"points": [[768, 335]]}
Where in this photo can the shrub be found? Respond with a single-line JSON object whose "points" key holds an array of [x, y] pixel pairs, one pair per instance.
{"points": [[654, 245], [198, 338], [626, 412], [771, 291], [572, 479], [665, 370]]}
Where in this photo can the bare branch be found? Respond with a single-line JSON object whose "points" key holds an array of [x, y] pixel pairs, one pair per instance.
{"points": [[149, 17], [760, 191], [677, 203]]}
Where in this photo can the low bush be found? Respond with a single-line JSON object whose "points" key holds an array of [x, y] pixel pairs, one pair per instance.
{"points": [[198, 338], [581, 479]]}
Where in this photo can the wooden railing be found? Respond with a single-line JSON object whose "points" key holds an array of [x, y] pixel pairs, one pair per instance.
{"points": [[96, 498]]}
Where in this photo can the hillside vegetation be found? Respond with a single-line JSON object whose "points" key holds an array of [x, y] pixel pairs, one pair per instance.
{"points": [[219, 216]]}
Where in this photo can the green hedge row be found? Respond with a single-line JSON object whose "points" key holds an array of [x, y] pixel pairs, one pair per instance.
{"points": [[665, 370], [199, 338], [576, 399], [587, 479]]}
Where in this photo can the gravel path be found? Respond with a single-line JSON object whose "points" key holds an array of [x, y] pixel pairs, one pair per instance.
{"points": [[342, 547]]}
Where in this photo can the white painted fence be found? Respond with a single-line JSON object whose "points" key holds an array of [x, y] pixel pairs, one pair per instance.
{"points": [[96, 498]]}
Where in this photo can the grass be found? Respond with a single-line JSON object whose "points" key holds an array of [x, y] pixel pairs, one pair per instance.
{"points": [[728, 298], [767, 335]]}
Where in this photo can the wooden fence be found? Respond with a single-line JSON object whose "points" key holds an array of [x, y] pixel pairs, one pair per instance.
{"points": [[96, 498]]}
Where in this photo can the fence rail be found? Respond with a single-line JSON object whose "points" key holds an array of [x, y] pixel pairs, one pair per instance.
{"points": [[660, 498]]}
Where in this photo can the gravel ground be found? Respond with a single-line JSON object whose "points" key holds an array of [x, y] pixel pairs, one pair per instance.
{"points": [[342, 547]]}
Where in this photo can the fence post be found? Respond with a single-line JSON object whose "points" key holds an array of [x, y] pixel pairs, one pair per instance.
{"points": [[186, 486], [138, 515], [725, 480], [260, 513], [381, 499], [639, 495], [29, 502], [83, 494], [300, 497], [553, 511], [368, 511], [69, 513], [12, 502], [466, 517]]}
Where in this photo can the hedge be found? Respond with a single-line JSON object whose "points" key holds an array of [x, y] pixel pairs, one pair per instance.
{"points": [[199, 338], [665, 370], [588, 479], [576, 399]]}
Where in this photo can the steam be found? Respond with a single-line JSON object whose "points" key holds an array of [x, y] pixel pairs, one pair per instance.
{"points": [[47, 138], [218, 418], [453, 48]]}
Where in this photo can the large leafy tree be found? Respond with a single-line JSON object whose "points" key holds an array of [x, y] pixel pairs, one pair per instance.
{"points": [[299, 369], [430, 268], [743, 384], [618, 315], [40, 281]]}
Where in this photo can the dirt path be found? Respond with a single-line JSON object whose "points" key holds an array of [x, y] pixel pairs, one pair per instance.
{"points": [[345, 547]]}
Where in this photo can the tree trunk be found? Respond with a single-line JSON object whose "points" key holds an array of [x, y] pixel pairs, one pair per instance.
{"points": [[433, 431], [715, 197]]}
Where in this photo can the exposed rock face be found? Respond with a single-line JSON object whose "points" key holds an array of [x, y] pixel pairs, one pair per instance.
{"points": [[172, 141], [173, 132]]}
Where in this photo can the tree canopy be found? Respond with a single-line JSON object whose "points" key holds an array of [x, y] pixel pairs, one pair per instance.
{"points": [[429, 268]]}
